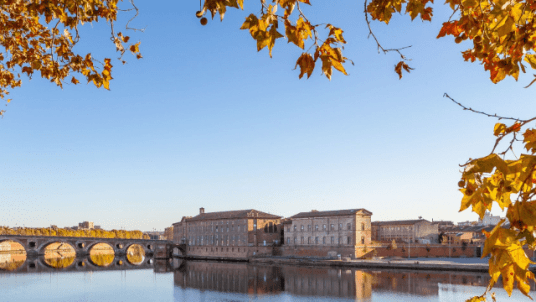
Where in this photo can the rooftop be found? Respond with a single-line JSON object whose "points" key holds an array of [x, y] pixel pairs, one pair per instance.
{"points": [[315, 213], [399, 222], [240, 214]]}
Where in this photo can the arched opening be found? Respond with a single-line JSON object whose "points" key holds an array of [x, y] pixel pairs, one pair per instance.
{"points": [[119, 246], [135, 254], [101, 254], [59, 255], [12, 255], [81, 245]]}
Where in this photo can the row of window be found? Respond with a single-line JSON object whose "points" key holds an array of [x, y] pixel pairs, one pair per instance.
{"points": [[315, 240], [325, 227], [212, 249], [216, 240]]}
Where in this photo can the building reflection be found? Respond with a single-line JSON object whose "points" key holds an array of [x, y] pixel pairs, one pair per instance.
{"points": [[245, 278], [250, 279]]}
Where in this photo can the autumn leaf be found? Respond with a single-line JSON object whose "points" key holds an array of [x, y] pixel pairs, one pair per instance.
{"points": [[402, 65], [306, 63], [499, 129]]}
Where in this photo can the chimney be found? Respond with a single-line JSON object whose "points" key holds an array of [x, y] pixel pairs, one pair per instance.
{"points": [[201, 210]]}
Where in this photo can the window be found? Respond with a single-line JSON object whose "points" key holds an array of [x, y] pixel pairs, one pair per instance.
{"points": [[362, 226], [275, 228], [270, 227], [255, 225], [323, 240], [266, 228], [216, 229], [295, 227], [302, 240], [288, 240], [288, 230], [295, 240], [349, 240], [340, 226], [332, 240], [309, 228], [362, 240], [332, 227], [349, 226], [316, 240], [308, 240], [302, 228], [316, 227]]}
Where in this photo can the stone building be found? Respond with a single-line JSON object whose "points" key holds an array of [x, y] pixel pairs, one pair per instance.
{"points": [[228, 234], [489, 219], [86, 225], [414, 231], [327, 233]]}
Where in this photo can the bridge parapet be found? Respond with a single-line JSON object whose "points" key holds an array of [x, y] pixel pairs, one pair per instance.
{"points": [[35, 245]]}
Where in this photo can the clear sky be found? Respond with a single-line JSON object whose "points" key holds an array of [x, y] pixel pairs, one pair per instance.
{"points": [[203, 120]]}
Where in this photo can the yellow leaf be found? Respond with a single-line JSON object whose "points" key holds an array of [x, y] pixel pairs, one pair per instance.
{"points": [[499, 128], [306, 63], [74, 81]]}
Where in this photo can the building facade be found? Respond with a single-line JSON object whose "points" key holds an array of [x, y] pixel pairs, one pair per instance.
{"points": [[327, 233], [229, 234], [414, 231]]}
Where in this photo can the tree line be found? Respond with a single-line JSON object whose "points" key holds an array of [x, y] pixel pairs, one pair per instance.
{"points": [[61, 232]]}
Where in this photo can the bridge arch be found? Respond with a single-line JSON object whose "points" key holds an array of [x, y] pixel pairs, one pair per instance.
{"points": [[42, 247], [17, 241]]}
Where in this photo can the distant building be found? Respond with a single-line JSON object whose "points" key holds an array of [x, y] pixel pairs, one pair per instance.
{"points": [[327, 233], [467, 223], [98, 227], [444, 225], [415, 231], [228, 234], [86, 225], [54, 227], [155, 235], [489, 219], [464, 235]]}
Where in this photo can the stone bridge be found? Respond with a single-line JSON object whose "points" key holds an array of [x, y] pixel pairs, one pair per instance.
{"points": [[80, 264], [35, 245]]}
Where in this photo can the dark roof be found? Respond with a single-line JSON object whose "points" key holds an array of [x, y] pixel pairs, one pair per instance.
{"points": [[240, 214], [398, 222], [471, 229], [330, 213]]}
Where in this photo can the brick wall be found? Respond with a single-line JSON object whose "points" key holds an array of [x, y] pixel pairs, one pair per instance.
{"points": [[419, 251]]}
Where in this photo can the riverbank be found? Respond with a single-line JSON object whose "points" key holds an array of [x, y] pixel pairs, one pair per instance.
{"points": [[429, 264]]}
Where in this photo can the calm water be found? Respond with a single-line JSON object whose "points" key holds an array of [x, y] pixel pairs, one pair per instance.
{"points": [[84, 280]]}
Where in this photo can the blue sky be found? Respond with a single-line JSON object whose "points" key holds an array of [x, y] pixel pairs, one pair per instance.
{"points": [[205, 120]]}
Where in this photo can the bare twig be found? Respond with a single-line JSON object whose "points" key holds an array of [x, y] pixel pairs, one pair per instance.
{"points": [[380, 47], [487, 114], [137, 12]]}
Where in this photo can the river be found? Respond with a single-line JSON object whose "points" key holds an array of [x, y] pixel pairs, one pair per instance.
{"points": [[177, 280]]}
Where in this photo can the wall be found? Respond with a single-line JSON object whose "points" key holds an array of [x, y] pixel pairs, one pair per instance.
{"points": [[228, 252], [419, 251]]}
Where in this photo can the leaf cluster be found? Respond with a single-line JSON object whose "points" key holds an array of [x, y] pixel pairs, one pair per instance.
{"points": [[39, 36], [267, 26], [494, 179]]}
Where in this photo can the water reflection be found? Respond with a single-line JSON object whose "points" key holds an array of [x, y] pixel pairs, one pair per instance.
{"points": [[102, 254], [12, 255], [357, 284], [135, 254], [59, 255]]}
